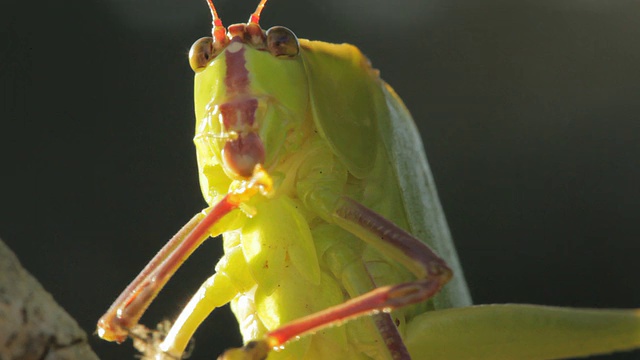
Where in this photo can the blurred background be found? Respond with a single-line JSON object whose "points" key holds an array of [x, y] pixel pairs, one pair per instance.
{"points": [[529, 112]]}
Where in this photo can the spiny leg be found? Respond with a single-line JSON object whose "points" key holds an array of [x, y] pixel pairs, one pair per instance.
{"points": [[431, 271], [126, 310], [123, 315]]}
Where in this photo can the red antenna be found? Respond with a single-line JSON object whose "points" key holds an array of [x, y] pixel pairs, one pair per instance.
{"points": [[219, 32], [255, 17]]}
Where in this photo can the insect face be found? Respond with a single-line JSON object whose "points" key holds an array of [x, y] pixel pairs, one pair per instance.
{"points": [[251, 102]]}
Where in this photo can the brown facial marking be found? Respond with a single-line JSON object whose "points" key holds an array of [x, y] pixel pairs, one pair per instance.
{"points": [[239, 115], [246, 150], [237, 76], [244, 153]]}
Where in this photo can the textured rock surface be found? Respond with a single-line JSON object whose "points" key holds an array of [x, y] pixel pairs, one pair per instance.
{"points": [[32, 324]]}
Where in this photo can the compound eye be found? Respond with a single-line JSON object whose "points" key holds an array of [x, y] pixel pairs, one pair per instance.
{"points": [[201, 53], [282, 42]]}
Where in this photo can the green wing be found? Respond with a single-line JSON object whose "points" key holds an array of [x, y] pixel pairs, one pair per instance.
{"points": [[424, 212], [341, 90], [370, 110], [352, 117]]}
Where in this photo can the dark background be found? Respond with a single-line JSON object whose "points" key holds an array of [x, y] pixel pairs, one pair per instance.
{"points": [[528, 111]]}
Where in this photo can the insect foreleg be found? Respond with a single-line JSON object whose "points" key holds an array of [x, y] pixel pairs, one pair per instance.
{"points": [[125, 312], [117, 323]]}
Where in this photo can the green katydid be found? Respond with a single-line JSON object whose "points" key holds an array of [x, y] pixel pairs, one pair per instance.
{"points": [[317, 178]]}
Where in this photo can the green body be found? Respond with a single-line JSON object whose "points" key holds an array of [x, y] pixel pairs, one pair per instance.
{"points": [[298, 149], [323, 138], [331, 128]]}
